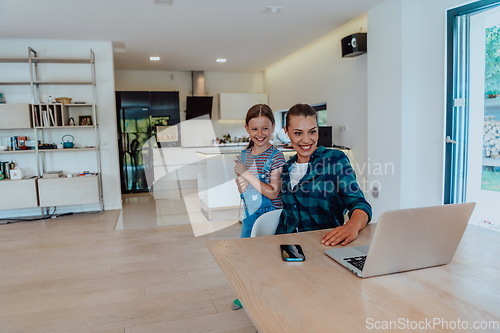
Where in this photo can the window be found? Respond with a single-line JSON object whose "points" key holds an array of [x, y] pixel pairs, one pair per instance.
{"points": [[320, 109]]}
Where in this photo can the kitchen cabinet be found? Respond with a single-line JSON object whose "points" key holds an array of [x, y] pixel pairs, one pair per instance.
{"points": [[175, 168], [236, 105]]}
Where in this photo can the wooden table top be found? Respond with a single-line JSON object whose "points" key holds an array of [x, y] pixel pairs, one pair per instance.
{"points": [[319, 295]]}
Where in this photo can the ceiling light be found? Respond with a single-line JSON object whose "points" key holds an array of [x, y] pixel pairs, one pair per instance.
{"points": [[221, 60], [154, 58], [164, 2], [273, 9]]}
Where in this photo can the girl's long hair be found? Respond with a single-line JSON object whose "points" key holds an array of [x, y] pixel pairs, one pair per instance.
{"points": [[259, 110]]}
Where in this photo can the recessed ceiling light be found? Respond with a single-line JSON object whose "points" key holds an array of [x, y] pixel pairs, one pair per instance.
{"points": [[273, 9], [221, 60], [164, 2], [154, 58]]}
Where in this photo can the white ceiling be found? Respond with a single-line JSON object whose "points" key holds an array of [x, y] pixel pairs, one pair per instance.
{"points": [[190, 34]]}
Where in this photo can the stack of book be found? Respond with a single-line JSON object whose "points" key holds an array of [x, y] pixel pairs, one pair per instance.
{"points": [[14, 142]]}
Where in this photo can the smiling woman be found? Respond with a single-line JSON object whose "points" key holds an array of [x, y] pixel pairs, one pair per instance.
{"points": [[319, 185]]}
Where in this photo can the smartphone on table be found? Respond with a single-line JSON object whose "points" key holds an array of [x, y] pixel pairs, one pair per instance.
{"points": [[292, 252]]}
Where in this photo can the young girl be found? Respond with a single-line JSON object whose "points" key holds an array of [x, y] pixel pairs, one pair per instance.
{"points": [[258, 168]]}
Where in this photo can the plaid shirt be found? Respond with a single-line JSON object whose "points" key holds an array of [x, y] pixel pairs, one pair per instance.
{"points": [[321, 198]]}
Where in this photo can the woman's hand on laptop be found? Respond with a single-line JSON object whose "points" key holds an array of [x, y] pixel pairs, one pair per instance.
{"points": [[348, 232]]}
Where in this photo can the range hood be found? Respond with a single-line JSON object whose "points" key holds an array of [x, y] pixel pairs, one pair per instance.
{"points": [[198, 83], [198, 104]]}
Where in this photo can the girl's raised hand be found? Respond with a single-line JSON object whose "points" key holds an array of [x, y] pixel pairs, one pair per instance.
{"points": [[239, 168]]}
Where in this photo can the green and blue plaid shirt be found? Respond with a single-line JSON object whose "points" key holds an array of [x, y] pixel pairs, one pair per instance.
{"points": [[321, 198]]}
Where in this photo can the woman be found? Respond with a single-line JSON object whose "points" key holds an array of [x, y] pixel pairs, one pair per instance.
{"points": [[319, 185]]}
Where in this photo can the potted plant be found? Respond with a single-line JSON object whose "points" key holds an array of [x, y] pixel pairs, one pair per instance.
{"points": [[491, 94]]}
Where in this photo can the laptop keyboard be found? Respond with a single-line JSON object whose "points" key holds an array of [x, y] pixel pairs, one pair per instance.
{"points": [[357, 262]]}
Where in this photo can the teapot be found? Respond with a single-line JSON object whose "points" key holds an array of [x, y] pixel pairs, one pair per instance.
{"points": [[68, 144]]}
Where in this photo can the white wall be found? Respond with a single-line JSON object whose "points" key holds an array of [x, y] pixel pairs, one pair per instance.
{"points": [[318, 73], [406, 100], [215, 83], [105, 94]]}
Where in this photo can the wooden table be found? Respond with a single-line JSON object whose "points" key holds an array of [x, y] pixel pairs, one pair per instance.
{"points": [[319, 295]]}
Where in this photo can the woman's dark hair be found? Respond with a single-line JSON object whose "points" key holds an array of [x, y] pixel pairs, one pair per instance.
{"points": [[259, 110], [301, 110]]}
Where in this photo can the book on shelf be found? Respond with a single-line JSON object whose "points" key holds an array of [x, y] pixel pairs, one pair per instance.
{"points": [[21, 142], [35, 116], [13, 143], [51, 116], [45, 118]]}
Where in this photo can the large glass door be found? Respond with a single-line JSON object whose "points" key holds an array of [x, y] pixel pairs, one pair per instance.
{"points": [[473, 112]]}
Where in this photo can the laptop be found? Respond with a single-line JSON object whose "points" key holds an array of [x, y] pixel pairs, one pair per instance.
{"points": [[408, 239]]}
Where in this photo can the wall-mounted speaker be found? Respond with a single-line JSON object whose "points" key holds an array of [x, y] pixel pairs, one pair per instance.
{"points": [[354, 45]]}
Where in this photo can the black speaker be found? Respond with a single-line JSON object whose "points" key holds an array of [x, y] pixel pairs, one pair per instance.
{"points": [[354, 45], [325, 136]]}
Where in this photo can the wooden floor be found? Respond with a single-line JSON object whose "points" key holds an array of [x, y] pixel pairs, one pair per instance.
{"points": [[77, 274]]}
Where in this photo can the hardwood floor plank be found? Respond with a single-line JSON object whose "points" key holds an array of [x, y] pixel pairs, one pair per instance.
{"points": [[77, 274], [219, 322]]}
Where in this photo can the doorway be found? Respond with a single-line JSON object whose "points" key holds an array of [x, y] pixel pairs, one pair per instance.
{"points": [[473, 110]]}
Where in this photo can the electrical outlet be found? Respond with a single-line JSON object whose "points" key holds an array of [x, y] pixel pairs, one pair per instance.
{"points": [[343, 128]]}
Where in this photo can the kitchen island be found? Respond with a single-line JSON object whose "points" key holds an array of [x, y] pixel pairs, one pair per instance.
{"points": [[216, 181]]}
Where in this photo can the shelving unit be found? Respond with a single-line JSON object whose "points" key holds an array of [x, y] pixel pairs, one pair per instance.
{"points": [[59, 115], [46, 121]]}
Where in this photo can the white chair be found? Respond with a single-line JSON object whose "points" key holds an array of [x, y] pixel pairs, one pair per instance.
{"points": [[266, 224]]}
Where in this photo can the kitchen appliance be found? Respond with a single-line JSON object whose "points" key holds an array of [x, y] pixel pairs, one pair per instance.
{"points": [[143, 115], [68, 144]]}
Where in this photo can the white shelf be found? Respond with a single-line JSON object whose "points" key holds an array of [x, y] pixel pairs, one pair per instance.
{"points": [[17, 151], [46, 193], [13, 60], [10, 83], [67, 150], [60, 61]]}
